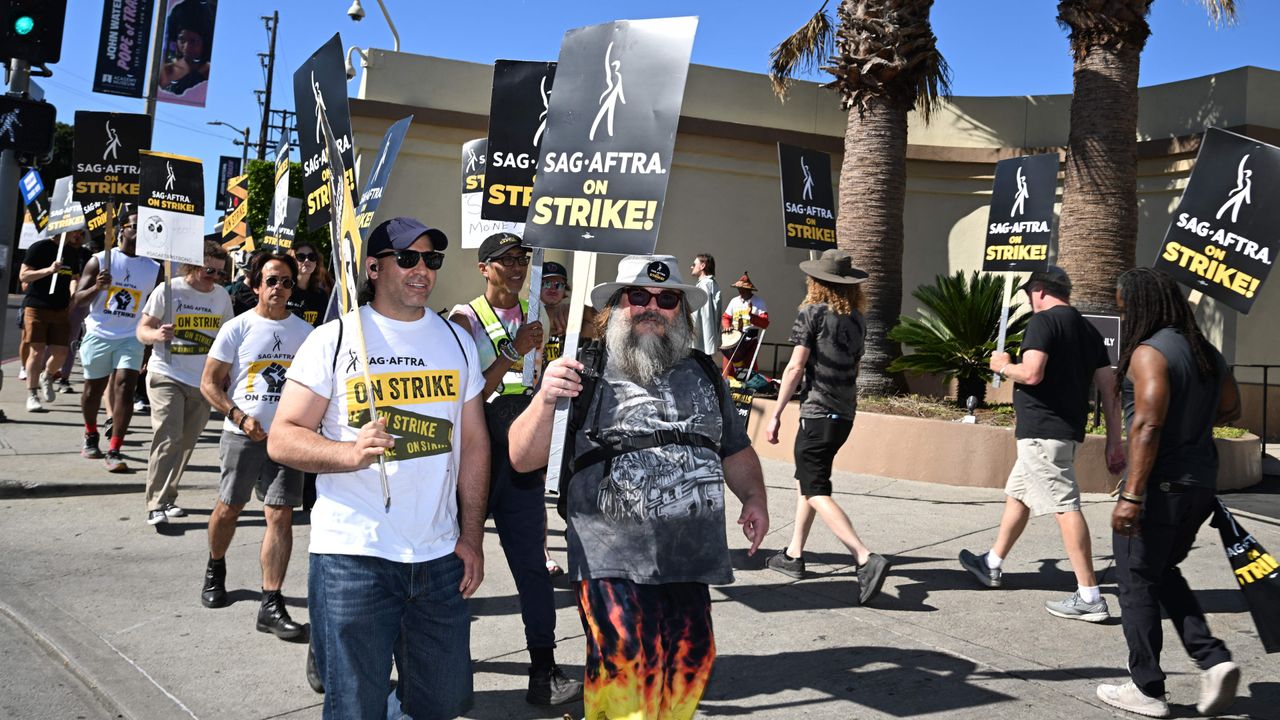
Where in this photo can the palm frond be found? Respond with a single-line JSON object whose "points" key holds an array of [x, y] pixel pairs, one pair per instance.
{"points": [[803, 52], [1221, 12]]}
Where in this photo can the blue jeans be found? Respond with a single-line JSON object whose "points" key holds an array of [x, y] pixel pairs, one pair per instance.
{"points": [[365, 611]]}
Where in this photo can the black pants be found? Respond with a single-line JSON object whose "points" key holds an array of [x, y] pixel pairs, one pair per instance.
{"points": [[1149, 579], [516, 502]]}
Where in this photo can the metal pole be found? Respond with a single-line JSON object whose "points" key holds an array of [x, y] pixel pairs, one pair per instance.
{"points": [[244, 151], [19, 82], [157, 46], [266, 106], [1266, 387]]}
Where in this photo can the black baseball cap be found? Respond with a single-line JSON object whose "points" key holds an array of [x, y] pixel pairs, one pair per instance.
{"points": [[552, 268], [1054, 277], [399, 233], [497, 244]]}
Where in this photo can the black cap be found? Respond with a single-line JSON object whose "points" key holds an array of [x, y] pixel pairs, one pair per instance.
{"points": [[552, 268], [1054, 277], [498, 243], [399, 233]]}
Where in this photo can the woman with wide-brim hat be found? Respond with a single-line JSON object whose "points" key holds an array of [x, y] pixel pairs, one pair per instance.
{"points": [[829, 338]]}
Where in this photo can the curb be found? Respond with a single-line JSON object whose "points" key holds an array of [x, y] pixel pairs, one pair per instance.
{"points": [[18, 490]]}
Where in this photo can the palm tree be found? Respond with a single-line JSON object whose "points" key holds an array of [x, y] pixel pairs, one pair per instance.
{"points": [[1098, 230], [885, 61]]}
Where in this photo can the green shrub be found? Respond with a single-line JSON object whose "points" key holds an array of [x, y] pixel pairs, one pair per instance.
{"points": [[262, 187]]}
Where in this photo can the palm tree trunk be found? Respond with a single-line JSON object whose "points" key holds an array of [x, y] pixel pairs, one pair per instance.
{"points": [[873, 186], [1098, 231]]}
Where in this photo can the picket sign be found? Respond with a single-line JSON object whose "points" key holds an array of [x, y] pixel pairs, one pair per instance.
{"points": [[584, 276], [53, 279], [1004, 320], [533, 360]]}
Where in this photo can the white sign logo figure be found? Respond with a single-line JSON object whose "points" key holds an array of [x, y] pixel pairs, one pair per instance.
{"points": [[472, 160], [8, 123], [1020, 200], [612, 94], [1240, 194], [113, 143], [168, 181], [542, 119], [382, 157], [315, 90], [807, 194]]}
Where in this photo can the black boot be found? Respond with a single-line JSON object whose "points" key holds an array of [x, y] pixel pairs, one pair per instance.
{"points": [[274, 618], [550, 686], [313, 673], [214, 594]]}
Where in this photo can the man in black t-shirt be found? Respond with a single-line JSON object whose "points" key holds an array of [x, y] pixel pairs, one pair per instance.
{"points": [[1062, 354], [45, 322]]}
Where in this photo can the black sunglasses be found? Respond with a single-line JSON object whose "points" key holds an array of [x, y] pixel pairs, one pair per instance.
{"points": [[512, 260], [214, 272], [640, 297], [408, 259], [306, 257], [285, 282]]}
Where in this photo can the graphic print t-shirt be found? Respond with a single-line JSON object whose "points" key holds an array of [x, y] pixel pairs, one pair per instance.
{"points": [[259, 351], [657, 515], [197, 317], [835, 344], [1056, 408], [421, 378], [115, 311]]}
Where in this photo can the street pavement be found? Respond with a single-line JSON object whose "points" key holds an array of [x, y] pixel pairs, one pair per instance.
{"points": [[100, 614]]}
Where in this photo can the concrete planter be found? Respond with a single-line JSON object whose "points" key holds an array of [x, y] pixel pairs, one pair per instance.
{"points": [[953, 453]]}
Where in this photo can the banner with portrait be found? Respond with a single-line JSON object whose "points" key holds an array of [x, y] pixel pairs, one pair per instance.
{"points": [[186, 52], [123, 45], [171, 208], [474, 227], [808, 200], [517, 121], [1020, 219]]}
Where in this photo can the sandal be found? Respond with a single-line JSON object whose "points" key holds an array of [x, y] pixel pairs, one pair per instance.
{"points": [[553, 569]]}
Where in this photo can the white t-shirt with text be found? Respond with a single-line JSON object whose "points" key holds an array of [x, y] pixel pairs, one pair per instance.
{"points": [[196, 320], [259, 351]]}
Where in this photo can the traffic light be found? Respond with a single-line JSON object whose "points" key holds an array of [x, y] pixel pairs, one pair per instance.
{"points": [[32, 30]]}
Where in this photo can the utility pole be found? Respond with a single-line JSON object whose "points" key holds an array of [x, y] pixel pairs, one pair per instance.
{"points": [[272, 23], [157, 47], [19, 83]]}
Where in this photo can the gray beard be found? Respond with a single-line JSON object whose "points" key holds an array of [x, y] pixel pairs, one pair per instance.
{"points": [[642, 358]]}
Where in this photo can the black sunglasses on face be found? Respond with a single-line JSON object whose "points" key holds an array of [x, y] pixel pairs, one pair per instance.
{"points": [[214, 272], [306, 257], [408, 259], [640, 297], [512, 260], [285, 282]]}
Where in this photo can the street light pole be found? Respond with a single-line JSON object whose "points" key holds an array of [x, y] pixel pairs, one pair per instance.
{"points": [[19, 83], [244, 144]]}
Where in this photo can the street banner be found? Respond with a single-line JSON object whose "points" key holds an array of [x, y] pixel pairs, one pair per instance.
{"points": [[123, 45], [611, 129], [228, 167], [808, 201], [281, 235], [280, 191], [234, 223], [380, 175], [321, 84], [475, 228], [1257, 573], [65, 213], [1221, 242], [35, 198], [186, 52], [517, 121], [1109, 327], [105, 154], [1020, 220], [171, 209]]}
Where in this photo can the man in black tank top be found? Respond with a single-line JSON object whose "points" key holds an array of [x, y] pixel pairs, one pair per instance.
{"points": [[1176, 387]]}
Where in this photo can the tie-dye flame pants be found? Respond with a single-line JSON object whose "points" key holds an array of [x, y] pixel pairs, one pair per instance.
{"points": [[650, 648]]}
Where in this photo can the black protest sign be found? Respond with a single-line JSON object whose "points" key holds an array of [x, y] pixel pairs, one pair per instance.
{"points": [[105, 155], [280, 193], [1020, 220], [475, 228], [36, 199], [123, 45], [1108, 326], [611, 129], [281, 234], [95, 219], [65, 214], [1226, 229], [517, 121], [321, 81], [171, 208], [743, 397], [228, 167], [381, 174], [808, 202], [1257, 573]]}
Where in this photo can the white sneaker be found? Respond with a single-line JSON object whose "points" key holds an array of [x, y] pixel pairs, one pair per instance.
{"points": [[172, 511], [139, 406], [156, 517], [1129, 697], [33, 404], [1218, 688], [48, 392], [22, 373]]}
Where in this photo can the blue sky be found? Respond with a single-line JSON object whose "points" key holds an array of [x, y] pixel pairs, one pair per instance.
{"points": [[994, 47]]}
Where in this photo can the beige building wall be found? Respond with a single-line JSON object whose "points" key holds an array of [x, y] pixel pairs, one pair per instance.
{"points": [[724, 197]]}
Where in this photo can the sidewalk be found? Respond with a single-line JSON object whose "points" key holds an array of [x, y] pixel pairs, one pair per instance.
{"points": [[100, 615]]}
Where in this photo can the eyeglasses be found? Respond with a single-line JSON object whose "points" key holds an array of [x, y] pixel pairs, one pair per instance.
{"points": [[214, 272], [408, 259], [554, 285], [640, 297], [284, 282], [306, 257], [511, 260]]}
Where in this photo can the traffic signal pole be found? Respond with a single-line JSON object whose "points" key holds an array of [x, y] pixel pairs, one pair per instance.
{"points": [[19, 83]]}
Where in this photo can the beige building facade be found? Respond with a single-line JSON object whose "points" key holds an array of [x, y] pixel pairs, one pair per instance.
{"points": [[724, 195]]}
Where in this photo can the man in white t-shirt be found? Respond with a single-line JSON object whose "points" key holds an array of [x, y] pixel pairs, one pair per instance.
{"points": [[706, 319], [255, 350], [182, 339], [391, 564]]}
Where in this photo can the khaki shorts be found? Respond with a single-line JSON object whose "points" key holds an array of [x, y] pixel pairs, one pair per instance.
{"points": [[1044, 477], [43, 326]]}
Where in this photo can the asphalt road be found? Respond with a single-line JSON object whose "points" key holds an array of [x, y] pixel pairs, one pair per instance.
{"points": [[35, 684]]}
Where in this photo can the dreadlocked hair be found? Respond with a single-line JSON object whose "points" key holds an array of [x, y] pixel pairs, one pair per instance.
{"points": [[1153, 301]]}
